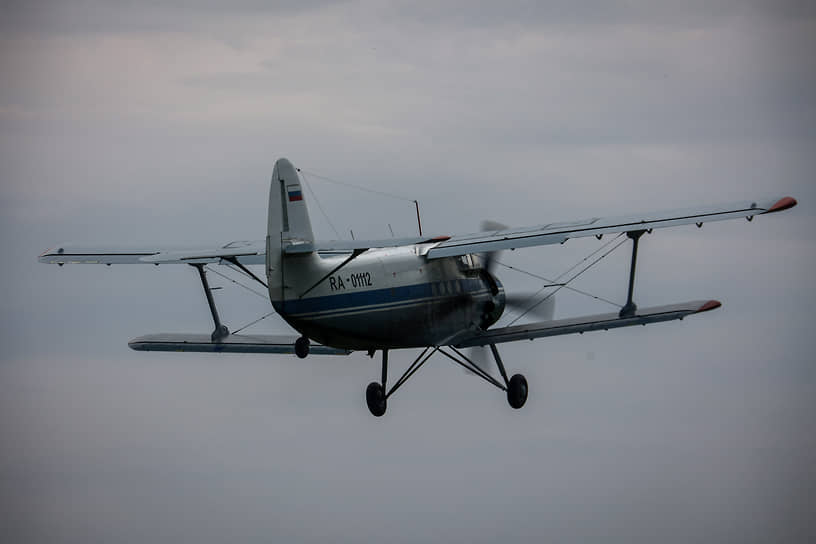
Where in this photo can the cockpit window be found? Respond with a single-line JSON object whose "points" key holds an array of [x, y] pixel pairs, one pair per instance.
{"points": [[469, 262]]}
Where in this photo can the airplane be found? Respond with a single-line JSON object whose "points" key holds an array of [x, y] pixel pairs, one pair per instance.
{"points": [[436, 293]]}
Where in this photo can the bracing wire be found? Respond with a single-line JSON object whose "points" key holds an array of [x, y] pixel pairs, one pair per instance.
{"points": [[364, 189], [239, 329], [251, 290], [590, 265], [582, 261], [253, 322], [319, 205], [358, 187], [565, 286]]}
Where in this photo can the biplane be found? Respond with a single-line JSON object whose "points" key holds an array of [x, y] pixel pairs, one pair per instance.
{"points": [[439, 294]]}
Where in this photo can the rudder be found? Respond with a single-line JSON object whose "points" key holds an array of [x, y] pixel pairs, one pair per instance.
{"points": [[287, 222]]}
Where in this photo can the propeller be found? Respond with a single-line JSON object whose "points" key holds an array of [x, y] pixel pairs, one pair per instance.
{"points": [[541, 310], [524, 303], [528, 304], [489, 257]]}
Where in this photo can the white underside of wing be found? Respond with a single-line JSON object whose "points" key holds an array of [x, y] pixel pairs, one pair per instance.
{"points": [[557, 327], [233, 343]]}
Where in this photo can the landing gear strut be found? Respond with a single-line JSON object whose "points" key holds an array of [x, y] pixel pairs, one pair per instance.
{"points": [[376, 396], [375, 392], [515, 387]]}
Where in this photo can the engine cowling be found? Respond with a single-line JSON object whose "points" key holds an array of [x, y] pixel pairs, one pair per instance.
{"points": [[493, 308]]}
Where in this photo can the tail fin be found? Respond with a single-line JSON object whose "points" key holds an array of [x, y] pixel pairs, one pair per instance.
{"points": [[288, 222]]}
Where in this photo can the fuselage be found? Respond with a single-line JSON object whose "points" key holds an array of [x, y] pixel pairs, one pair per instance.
{"points": [[391, 297]]}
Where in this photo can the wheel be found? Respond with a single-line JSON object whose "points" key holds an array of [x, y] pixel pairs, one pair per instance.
{"points": [[517, 391], [375, 398], [302, 347]]}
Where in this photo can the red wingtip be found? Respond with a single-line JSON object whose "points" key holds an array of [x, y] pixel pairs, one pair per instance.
{"points": [[710, 305], [439, 238], [782, 204]]}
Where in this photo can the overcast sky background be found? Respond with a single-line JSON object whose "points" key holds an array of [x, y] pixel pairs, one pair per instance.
{"points": [[160, 123]]}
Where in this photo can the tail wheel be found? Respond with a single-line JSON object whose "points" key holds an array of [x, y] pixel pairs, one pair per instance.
{"points": [[302, 347], [517, 391], [375, 398]]}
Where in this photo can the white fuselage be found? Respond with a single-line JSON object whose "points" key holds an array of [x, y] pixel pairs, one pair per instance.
{"points": [[388, 296]]}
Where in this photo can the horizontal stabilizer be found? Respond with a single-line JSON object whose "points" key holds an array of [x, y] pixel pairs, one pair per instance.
{"points": [[234, 343], [583, 324]]}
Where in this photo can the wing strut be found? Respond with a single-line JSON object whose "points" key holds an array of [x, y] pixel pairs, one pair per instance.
{"points": [[630, 307], [221, 330], [355, 253], [245, 270]]}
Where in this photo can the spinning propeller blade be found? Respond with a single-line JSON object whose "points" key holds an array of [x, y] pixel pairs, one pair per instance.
{"points": [[489, 257], [532, 305]]}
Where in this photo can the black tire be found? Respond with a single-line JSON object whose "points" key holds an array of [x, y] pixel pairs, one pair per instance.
{"points": [[375, 398], [302, 347], [517, 391]]}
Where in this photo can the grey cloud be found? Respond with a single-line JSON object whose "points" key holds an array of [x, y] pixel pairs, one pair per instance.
{"points": [[80, 16], [700, 430], [98, 16], [529, 12]]}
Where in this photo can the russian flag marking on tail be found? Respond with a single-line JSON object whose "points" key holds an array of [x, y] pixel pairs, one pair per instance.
{"points": [[294, 193]]}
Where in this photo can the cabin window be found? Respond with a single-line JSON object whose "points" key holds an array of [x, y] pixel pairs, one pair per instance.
{"points": [[468, 262]]}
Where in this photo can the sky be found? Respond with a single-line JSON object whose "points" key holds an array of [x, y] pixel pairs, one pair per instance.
{"points": [[159, 123]]}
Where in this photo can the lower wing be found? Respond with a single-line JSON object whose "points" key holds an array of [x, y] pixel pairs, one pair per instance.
{"points": [[586, 323], [233, 343]]}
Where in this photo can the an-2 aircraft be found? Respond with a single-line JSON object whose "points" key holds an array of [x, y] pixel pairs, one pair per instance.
{"points": [[436, 293]]}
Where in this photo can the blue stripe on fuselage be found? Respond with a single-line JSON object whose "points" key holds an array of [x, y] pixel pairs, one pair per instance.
{"points": [[391, 295]]}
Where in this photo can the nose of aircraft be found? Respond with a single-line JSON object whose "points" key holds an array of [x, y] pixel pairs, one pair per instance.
{"points": [[494, 307]]}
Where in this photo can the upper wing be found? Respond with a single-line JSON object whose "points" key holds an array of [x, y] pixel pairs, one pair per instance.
{"points": [[254, 252], [556, 233], [586, 323], [245, 252], [345, 246]]}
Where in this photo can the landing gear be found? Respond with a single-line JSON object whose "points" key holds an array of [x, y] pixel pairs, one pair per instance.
{"points": [[375, 398], [516, 387], [302, 347], [517, 391], [377, 394]]}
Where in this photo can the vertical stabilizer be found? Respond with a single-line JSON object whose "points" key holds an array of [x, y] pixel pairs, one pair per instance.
{"points": [[287, 224]]}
